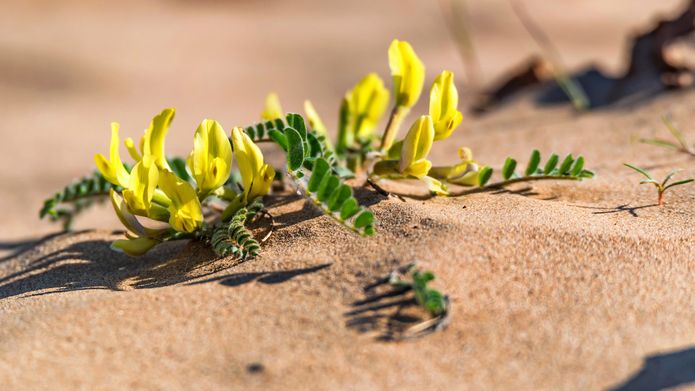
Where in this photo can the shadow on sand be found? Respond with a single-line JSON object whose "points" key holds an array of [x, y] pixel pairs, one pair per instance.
{"points": [[632, 210], [77, 261], [662, 371], [277, 277]]}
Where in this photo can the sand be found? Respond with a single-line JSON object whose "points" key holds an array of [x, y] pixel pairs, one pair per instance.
{"points": [[553, 285]]}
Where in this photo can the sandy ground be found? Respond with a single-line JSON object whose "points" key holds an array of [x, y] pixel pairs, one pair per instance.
{"points": [[553, 285]]}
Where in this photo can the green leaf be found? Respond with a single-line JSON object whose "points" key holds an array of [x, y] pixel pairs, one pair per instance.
{"points": [[508, 168], [484, 175], [296, 122], [76, 197], [321, 168], [578, 166], [365, 218], [551, 164], [659, 143], [533, 163], [669, 176], [338, 197], [279, 138], [178, 166], [640, 170], [295, 153], [586, 174], [328, 185], [566, 165], [675, 132], [683, 182], [315, 149], [333, 197], [348, 209]]}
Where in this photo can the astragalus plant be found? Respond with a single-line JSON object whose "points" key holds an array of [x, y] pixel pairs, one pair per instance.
{"points": [[201, 197]]}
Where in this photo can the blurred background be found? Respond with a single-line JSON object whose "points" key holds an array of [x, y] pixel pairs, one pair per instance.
{"points": [[69, 68]]}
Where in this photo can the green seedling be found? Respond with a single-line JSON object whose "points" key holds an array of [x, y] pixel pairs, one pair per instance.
{"points": [[431, 300], [662, 186], [679, 144]]}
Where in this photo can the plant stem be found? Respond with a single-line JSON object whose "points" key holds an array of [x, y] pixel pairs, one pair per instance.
{"points": [[661, 198], [398, 114], [501, 184]]}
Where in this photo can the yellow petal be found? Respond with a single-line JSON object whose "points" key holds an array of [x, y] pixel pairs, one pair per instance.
{"points": [[261, 183], [314, 119], [127, 219], [210, 161], [248, 156], [186, 212], [419, 169], [407, 71], [134, 247], [272, 109], [443, 106], [155, 135], [435, 186], [113, 169], [368, 101], [143, 180], [417, 143], [132, 151]]}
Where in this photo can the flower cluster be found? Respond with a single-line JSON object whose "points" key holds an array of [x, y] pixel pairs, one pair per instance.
{"points": [[407, 158], [363, 107], [153, 190]]}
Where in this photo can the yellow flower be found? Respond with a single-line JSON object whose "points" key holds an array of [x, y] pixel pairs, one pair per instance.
{"points": [[141, 189], [152, 143], [367, 103], [186, 214], [272, 109], [135, 246], [444, 100], [210, 161], [416, 146], [113, 169], [408, 73], [413, 157], [465, 173], [314, 120], [256, 176], [140, 239]]}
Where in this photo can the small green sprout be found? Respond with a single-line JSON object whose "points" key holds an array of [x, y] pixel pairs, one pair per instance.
{"points": [[662, 186], [431, 300], [680, 145]]}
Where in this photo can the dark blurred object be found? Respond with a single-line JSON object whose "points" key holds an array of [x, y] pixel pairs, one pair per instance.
{"points": [[656, 65], [535, 71]]}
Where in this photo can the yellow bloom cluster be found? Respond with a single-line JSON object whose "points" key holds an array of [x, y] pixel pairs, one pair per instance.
{"points": [[151, 189], [408, 157]]}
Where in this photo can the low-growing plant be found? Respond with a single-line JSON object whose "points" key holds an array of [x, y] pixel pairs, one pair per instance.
{"points": [[430, 299], [678, 144], [200, 198], [662, 186], [358, 148]]}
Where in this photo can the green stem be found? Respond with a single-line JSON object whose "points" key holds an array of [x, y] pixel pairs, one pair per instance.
{"points": [[398, 114], [236, 204]]}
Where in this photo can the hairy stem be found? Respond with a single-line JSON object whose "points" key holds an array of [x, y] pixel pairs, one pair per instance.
{"points": [[660, 200], [398, 114]]}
